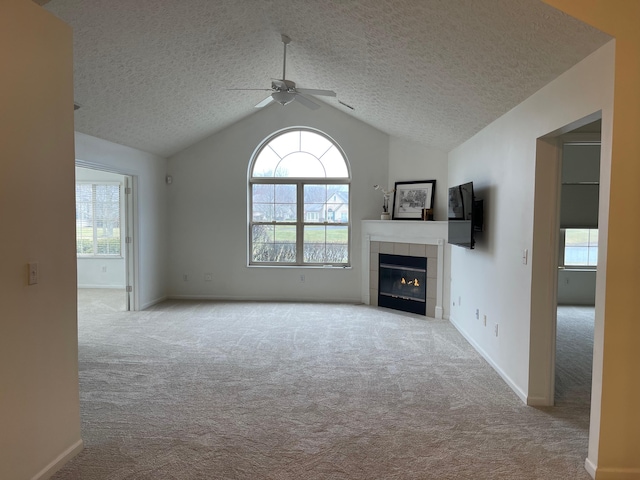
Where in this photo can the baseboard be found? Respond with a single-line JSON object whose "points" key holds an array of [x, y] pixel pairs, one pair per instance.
{"points": [[112, 287], [154, 302], [226, 298], [590, 468], [59, 462], [600, 473], [521, 395]]}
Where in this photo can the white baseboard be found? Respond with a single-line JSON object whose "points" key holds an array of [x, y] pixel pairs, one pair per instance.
{"points": [[223, 298], [113, 287], [521, 395], [154, 302], [59, 462], [611, 473]]}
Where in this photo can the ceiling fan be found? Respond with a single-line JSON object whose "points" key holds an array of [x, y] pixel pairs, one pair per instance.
{"points": [[284, 91]]}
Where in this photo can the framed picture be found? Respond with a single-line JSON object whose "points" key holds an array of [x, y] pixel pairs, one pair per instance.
{"points": [[411, 197]]}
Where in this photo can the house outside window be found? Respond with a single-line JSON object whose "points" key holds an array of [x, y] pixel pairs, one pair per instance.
{"points": [[98, 225], [299, 201]]}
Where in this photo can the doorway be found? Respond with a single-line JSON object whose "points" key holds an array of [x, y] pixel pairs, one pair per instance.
{"points": [[104, 240], [577, 265]]}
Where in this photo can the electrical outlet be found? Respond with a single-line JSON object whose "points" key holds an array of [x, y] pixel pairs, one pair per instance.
{"points": [[496, 329], [104, 269], [525, 256], [485, 320], [185, 277], [301, 278], [33, 273], [477, 314], [208, 277], [459, 301]]}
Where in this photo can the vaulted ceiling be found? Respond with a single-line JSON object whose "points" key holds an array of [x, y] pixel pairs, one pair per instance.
{"points": [[154, 74]]}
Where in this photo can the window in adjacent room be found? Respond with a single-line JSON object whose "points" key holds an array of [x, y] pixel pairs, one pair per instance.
{"points": [[98, 231], [580, 247], [299, 211]]}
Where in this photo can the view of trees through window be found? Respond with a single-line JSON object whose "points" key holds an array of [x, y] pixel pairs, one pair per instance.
{"points": [[299, 202], [98, 219]]}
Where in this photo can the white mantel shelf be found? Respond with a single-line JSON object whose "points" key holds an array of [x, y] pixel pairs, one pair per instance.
{"points": [[404, 231]]}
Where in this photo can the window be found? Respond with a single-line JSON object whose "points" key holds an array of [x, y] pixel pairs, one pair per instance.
{"points": [[98, 219], [299, 201], [580, 247]]}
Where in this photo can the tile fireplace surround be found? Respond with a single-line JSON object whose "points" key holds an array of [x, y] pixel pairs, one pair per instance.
{"points": [[404, 237]]}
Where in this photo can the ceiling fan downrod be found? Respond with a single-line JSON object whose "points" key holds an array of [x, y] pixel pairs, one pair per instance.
{"points": [[286, 40]]}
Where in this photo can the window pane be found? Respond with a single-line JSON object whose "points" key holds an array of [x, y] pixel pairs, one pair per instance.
{"points": [[271, 243], [107, 219], [326, 203], [577, 237], [338, 204], [576, 256], [581, 247], [300, 164], [334, 164], [315, 144], [326, 244], [84, 219], [315, 199], [286, 143], [263, 212], [266, 163], [98, 219]]}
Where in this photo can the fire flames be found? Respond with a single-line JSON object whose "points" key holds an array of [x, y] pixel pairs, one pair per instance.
{"points": [[413, 283]]}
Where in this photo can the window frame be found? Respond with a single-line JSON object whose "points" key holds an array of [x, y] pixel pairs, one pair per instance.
{"points": [[94, 236], [301, 221]]}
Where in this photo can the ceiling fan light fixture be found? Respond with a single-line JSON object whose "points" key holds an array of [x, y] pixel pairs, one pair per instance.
{"points": [[283, 98]]}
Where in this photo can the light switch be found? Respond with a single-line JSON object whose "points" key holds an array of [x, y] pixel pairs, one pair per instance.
{"points": [[33, 273]]}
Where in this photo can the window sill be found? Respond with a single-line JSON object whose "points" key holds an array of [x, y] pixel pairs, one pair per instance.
{"points": [[313, 267], [577, 268]]}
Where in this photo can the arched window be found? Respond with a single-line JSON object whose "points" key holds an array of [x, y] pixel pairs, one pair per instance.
{"points": [[299, 201]]}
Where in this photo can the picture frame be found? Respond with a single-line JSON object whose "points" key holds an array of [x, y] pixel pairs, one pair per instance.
{"points": [[410, 198]]}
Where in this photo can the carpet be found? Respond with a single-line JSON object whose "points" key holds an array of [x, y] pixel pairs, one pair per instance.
{"points": [[215, 390]]}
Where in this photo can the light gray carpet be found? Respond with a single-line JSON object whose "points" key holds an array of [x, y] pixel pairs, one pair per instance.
{"points": [[204, 390]]}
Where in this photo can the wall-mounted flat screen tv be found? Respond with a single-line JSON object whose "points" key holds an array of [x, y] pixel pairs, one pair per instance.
{"points": [[465, 215]]}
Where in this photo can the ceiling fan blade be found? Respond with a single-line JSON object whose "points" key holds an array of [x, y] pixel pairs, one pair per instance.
{"points": [[314, 91], [265, 102], [251, 89], [307, 102]]}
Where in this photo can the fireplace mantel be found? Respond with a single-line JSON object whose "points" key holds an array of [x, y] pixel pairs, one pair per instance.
{"points": [[404, 232]]}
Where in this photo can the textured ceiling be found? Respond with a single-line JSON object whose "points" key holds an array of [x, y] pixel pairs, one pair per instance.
{"points": [[152, 74]]}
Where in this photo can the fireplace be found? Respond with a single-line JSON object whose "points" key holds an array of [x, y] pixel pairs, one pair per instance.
{"points": [[402, 283]]}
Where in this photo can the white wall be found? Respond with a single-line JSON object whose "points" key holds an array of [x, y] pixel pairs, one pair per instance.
{"points": [[39, 402], [150, 209], [501, 161], [409, 161], [103, 272], [208, 209]]}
